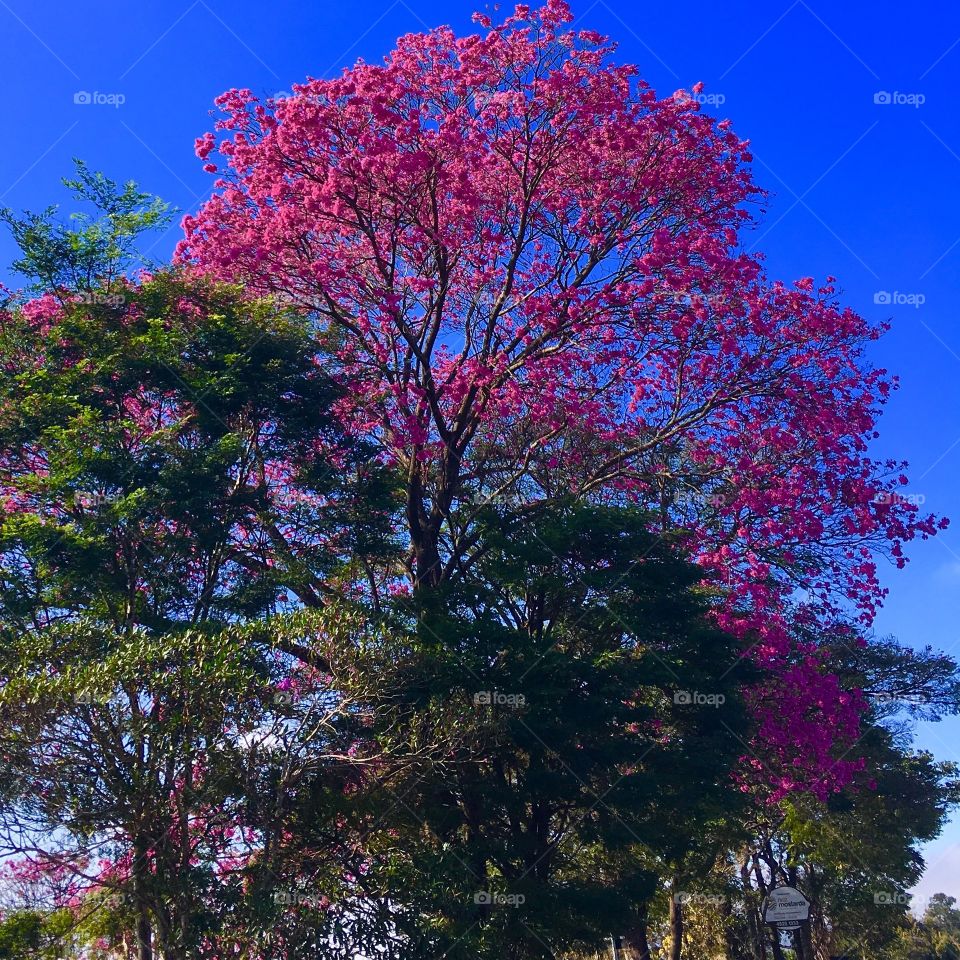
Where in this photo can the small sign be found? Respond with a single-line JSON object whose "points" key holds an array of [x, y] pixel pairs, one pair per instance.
{"points": [[786, 905]]}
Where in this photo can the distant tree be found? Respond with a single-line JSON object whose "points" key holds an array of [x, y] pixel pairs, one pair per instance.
{"points": [[855, 856], [935, 937], [37, 934], [99, 250], [943, 914]]}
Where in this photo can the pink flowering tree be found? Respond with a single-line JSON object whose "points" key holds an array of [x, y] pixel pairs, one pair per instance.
{"points": [[531, 267]]}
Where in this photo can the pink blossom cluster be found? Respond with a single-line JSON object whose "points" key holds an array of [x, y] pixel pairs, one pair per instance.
{"points": [[536, 266]]}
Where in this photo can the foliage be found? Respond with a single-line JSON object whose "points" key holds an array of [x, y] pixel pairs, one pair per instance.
{"points": [[90, 258], [532, 269], [548, 760], [465, 550]]}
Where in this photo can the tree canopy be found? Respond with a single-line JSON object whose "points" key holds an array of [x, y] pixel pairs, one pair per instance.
{"points": [[462, 549]]}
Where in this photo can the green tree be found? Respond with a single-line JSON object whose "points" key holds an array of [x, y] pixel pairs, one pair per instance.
{"points": [[172, 470], [562, 720], [943, 914], [42, 935], [935, 937], [855, 856], [98, 250]]}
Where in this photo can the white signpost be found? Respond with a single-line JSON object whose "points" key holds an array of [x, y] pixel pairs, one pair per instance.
{"points": [[786, 907]]}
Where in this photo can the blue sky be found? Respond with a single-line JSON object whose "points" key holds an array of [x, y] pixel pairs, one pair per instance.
{"points": [[861, 189]]}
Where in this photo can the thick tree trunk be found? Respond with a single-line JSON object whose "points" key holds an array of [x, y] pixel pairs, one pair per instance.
{"points": [[426, 562], [141, 900], [777, 949], [424, 526], [143, 930], [805, 948], [676, 927], [144, 935], [636, 941]]}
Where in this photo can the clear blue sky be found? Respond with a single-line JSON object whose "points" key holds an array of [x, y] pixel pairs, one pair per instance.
{"points": [[863, 190]]}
